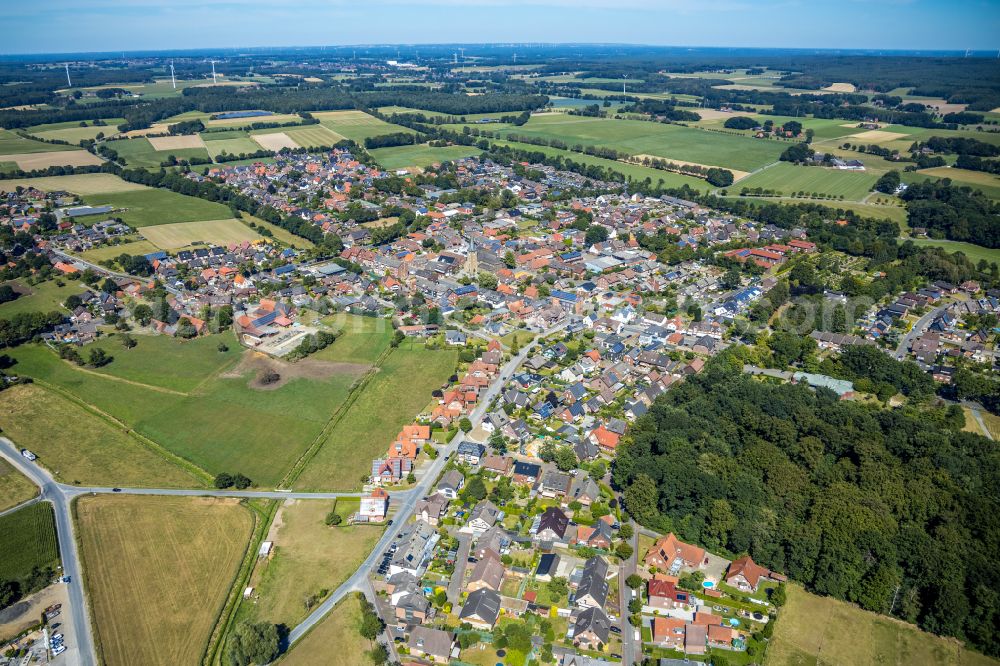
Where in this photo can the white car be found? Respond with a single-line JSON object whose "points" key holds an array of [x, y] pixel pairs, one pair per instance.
{"points": [[28, 454], [59, 650]]}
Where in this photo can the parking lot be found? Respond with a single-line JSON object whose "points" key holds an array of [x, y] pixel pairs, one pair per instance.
{"points": [[55, 643]]}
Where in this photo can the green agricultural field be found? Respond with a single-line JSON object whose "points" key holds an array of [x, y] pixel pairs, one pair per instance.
{"points": [[139, 152], [79, 446], [356, 125], [14, 144], [821, 631], [14, 486], [72, 132], [392, 398], [422, 155], [876, 212], [28, 540], [313, 135], [634, 171], [790, 178], [282, 235], [224, 135], [669, 141], [236, 146], [225, 423], [157, 206], [43, 297]]}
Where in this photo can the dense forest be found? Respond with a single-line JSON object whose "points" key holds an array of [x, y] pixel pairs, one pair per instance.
{"points": [[896, 510], [956, 213]]}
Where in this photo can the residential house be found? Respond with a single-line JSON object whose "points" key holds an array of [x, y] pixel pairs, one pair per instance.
{"points": [[431, 644], [665, 594], [670, 553], [484, 516], [592, 590], [746, 575], [552, 525], [374, 506], [451, 483], [591, 629], [488, 572], [481, 608], [470, 453]]}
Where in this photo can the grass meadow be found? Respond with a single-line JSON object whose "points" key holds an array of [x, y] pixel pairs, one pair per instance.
{"points": [[309, 558], [790, 178], [392, 398], [14, 486], [183, 234], [79, 446], [422, 155], [43, 297], [28, 540], [335, 641], [12, 143], [822, 631], [158, 571], [139, 152]]}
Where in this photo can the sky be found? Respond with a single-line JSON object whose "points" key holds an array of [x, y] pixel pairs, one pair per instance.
{"points": [[64, 26]]}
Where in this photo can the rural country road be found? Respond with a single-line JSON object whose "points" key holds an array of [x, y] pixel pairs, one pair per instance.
{"points": [[83, 652], [359, 580]]}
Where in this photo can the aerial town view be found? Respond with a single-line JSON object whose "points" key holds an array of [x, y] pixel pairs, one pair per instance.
{"points": [[506, 333]]}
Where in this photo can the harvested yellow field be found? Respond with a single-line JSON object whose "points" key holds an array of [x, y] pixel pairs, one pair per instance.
{"points": [[841, 87], [158, 571], [182, 234], [335, 641], [176, 142], [32, 161], [713, 114], [877, 136], [82, 184], [241, 122], [275, 141], [156, 128]]}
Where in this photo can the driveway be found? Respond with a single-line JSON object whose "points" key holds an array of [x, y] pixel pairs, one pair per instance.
{"points": [[462, 561]]}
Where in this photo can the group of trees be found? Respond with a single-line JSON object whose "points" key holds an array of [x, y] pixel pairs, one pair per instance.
{"points": [[226, 480], [24, 326], [313, 343], [956, 213], [890, 509]]}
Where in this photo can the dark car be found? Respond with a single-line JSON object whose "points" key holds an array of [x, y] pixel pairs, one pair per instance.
{"points": [[116, 490], [615, 629]]}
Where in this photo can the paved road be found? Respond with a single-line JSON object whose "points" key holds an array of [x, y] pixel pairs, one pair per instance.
{"points": [[631, 650], [83, 652], [404, 510], [917, 330], [462, 561], [73, 491]]}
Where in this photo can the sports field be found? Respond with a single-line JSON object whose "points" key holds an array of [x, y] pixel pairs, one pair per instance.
{"points": [[28, 540], [14, 486], [309, 557], [182, 234], [42, 297], [79, 446], [790, 178], [356, 125], [148, 207], [822, 631], [335, 641], [12, 143], [664, 140], [158, 571], [394, 396], [83, 184], [423, 155]]}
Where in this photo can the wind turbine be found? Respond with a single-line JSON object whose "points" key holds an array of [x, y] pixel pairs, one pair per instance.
{"points": [[624, 78], [68, 82], [463, 53], [173, 79], [213, 73]]}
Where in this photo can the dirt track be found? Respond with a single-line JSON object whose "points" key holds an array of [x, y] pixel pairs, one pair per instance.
{"points": [[258, 364]]}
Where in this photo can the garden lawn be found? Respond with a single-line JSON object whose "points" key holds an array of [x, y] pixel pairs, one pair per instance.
{"points": [[78, 446], [309, 558], [422, 155], [335, 641], [391, 399], [150, 206], [158, 571], [14, 486], [822, 631], [28, 540]]}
